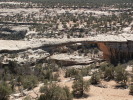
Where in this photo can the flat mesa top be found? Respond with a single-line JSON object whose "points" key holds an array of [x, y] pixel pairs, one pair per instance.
{"points": [[34, 43]]}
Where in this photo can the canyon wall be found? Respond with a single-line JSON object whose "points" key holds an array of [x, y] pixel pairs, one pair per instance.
{"points": [[117, 52], [116, 48]]}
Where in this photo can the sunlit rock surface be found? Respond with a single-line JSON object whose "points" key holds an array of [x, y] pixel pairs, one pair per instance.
{"points": [[116, 48]]}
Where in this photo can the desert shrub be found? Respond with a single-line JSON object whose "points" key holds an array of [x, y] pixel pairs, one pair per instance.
{"points": [[71, 72], [95, 78], [109, 73], [55, 77], [55, 92], [17, 69], [46, 73], [96, 50], [121, 75], [131, 90], [29, 82], [103, 66], [80, 86], [68, 93], [5, 91], [85, 71]]}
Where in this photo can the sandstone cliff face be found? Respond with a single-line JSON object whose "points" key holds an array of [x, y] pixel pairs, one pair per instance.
{"points": [[116, 48], [116, 52]]}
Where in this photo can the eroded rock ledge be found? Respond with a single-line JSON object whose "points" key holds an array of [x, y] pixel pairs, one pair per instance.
{"points": [[116, 48]]}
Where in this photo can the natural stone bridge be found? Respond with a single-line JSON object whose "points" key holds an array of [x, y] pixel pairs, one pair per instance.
{"points": [[116, 48]]}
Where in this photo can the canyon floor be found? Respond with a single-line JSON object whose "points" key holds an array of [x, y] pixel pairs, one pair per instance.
{"points": [[98, 93], [95, 93], [109, 92]]}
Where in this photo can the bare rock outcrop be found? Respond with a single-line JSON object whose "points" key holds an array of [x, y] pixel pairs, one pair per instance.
{"points": [[116, 48]]}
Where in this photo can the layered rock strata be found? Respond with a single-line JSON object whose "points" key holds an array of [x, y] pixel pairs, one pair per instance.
{"points": [[116, 48]]}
